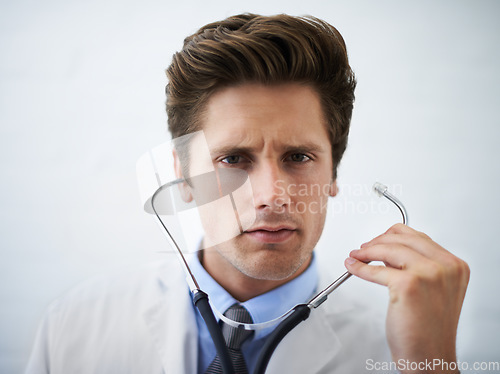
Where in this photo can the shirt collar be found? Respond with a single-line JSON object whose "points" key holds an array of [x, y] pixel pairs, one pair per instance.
{"points": [[264, 307]]}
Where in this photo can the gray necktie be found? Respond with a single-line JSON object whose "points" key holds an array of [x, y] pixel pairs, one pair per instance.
{"points": [[234, 338]]}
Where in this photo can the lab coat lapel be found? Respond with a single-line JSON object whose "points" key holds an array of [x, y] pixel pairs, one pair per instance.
{"points": [[172, 324], [308, 348]]}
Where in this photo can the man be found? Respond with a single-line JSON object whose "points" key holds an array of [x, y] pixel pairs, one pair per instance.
{"points": [[273, 97]]}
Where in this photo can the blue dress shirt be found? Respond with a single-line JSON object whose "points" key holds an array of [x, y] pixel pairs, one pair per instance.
{"points": [[262, 308]]}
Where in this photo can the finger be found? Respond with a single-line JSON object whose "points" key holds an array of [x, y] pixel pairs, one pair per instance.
{"points": [[394, 255], [398, 228], [417, 241], [372, 273]]}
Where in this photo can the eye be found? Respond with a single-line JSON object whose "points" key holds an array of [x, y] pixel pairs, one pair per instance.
{"points": [[233, 159], [298, 157]]}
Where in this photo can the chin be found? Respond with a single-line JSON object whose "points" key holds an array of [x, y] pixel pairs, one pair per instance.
{"points": [[271, 267]]}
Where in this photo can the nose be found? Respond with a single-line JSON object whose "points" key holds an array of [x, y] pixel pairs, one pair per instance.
{"points": [[269, 185]]}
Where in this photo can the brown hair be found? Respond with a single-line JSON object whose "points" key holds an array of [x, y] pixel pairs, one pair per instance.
{"points": [[268, 50]]}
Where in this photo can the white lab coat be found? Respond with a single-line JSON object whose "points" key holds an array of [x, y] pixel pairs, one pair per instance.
{"points": [[144, 323]]}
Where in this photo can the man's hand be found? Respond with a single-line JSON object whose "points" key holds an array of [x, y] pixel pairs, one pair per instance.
{"points": [[427, 287]]}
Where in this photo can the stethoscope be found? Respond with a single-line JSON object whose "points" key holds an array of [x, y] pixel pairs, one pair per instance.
{"points": [[287, 322]]}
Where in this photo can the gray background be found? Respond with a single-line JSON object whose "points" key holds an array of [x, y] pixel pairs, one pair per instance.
{"points": [[81, 98]]}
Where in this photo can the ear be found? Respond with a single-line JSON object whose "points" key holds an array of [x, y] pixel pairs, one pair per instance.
{"points": [[334, 189], [184, 189]]}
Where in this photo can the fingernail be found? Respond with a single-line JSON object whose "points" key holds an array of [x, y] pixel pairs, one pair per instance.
{"points": [[350, 260]]}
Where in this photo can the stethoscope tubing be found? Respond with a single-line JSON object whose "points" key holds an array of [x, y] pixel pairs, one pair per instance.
{"points": [[200, 300], [300, 312]]}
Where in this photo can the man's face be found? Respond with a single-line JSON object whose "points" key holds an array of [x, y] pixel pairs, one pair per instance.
{"points": [[278, 135]]}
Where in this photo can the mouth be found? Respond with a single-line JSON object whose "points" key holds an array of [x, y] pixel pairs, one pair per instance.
{"points": [[269, 234]]}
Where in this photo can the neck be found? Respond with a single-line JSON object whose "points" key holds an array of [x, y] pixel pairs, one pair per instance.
{"points": [[239, 285]]}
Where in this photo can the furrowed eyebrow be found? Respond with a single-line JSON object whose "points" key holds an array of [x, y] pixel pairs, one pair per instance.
{"points": [[305, 148], [302, 148], [230, 149]]}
